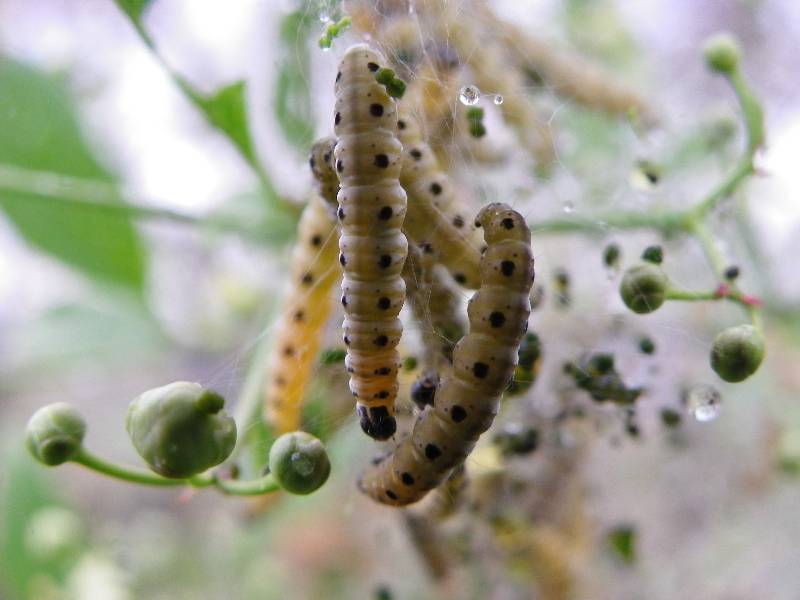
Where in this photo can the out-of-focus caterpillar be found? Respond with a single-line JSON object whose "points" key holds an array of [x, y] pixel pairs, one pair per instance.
{"points": [[569, 76], [372, 207], [483, 364], [530, 361], [448, 497], [306, 308], [436, 220], [435, 307], [491, 74]]}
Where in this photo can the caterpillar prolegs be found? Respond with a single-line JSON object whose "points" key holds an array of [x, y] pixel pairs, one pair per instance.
{"points": [[373, 249], [306, 309], [483, 364]]}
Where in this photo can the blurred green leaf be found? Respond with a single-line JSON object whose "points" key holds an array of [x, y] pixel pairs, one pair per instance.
{"points": [[40, 132], [134, 8], [25, 492], [622, 541], [226, 110], [292, 103]]}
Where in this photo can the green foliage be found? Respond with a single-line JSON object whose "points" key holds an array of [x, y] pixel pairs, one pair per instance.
{"points": [[134, 8], [180, 429], [622, 541], [292, 100], [226, 110], [26, 492], [41, 133], [333, 31]]}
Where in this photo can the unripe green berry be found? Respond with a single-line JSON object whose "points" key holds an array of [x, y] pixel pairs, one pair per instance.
{"points": [[180, 429], [722, 53], [737, 353], [299, 462], [643, 288], [55, 433]]}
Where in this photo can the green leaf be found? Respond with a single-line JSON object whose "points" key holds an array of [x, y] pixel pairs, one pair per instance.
{"points": [[134, 8], [292, 103], [40, 132], [26, 491], [622, 542], [226, 110]]}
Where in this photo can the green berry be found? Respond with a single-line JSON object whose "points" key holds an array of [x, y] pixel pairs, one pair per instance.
{"points": [[396, 88], [384, 76], [670, 417], [653, 254], [180, 429], [647, 345], [722, 53], [643, 288], [299, 462], [737, 353], [55, 433], [611, 255]]}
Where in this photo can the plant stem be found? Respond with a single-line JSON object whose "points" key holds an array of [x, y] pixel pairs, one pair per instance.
{"points": [[689, 296], [665, 221], [253, 487], [125, 473]]}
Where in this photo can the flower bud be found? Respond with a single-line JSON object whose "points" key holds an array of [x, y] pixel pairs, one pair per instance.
{"points": [[55, 433], [722, 53], [643, 288], [180, 429], [737, 353], [299, 462]]}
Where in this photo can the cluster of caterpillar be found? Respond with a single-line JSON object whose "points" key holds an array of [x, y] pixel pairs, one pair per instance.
{"points": [[436, 220], [483, 363], [314, 271], [321, 163], [372, 207]]}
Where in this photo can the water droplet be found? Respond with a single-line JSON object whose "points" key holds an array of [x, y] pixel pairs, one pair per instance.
{"points": [[325, 18], [326, 48], [469, 95], [302, 464], [498, 99], [569, 207], [704, 402]]}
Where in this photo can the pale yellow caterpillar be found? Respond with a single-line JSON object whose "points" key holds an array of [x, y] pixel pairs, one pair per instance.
{"points": [[483, 364], [436, 306], [306, 308], [436, 220], [372, 207]]}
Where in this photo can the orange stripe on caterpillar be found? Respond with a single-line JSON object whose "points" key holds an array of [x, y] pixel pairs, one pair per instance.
{"points": [[306, 308], [436, 219], [373, 249], [483, 363]]}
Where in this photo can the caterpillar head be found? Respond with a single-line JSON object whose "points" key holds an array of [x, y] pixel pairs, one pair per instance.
{"points": [[321, 160], [500, 222], [376, 422]]}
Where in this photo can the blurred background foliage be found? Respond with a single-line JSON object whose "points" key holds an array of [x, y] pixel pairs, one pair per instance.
{"points": [[146, 221]]}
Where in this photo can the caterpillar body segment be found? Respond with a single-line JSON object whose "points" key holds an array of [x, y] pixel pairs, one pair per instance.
{"points": [[314, 271], [321, 163], [373, 248], [483, 364], [436, 220]]}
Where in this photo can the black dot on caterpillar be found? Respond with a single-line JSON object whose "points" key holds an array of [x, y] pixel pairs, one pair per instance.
{"points": [[467, 400]]}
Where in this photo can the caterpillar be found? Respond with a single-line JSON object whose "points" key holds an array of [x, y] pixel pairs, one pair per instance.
{"points": [[569, 76], [321, 163], [436, 219], [372, 207], [306, 308], [435, 305], [483, 364]]}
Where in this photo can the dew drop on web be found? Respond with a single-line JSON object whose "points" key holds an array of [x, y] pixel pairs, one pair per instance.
{"points": [[469, 95], [569, 207], [498, 99], [703, 402]]}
